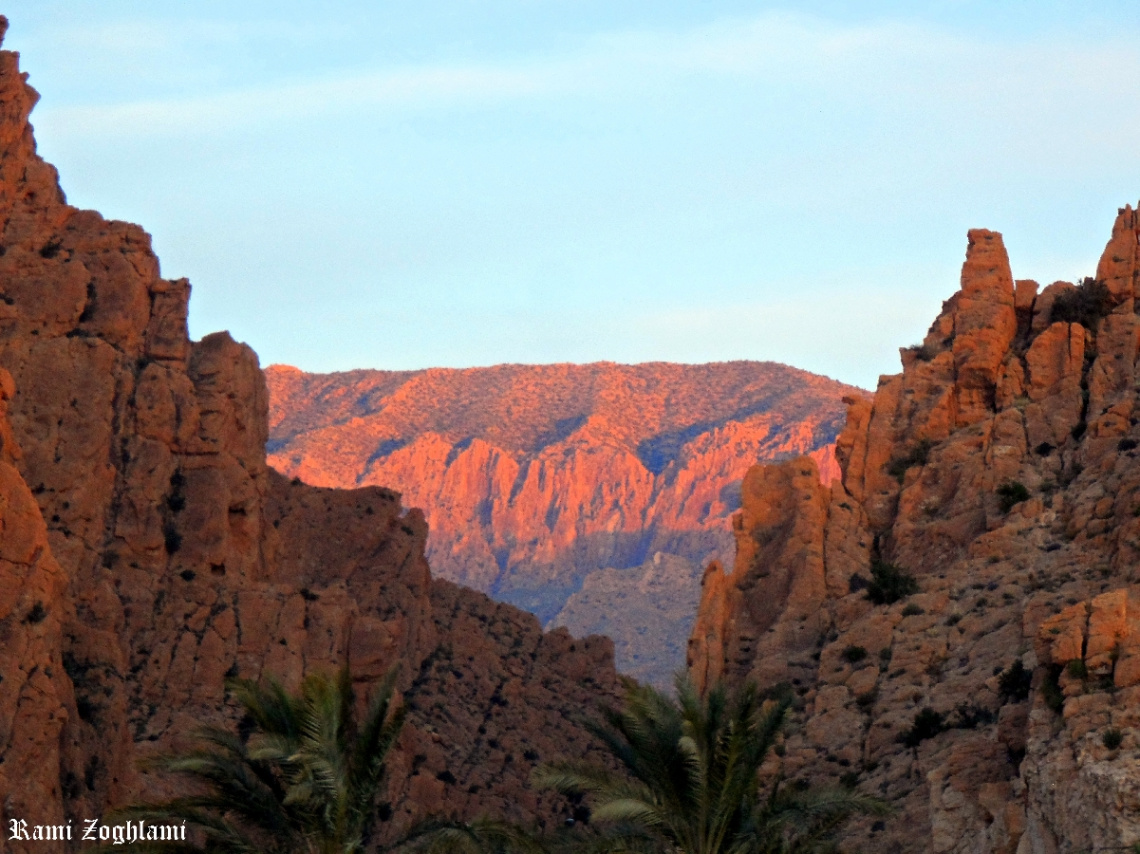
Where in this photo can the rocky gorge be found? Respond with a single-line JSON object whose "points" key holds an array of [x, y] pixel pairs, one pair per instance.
{"points": [[564, 489], [956, 611]]}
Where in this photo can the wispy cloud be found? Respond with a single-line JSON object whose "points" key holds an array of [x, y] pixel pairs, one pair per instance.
{"points": [[396, 89], [877, 62]]}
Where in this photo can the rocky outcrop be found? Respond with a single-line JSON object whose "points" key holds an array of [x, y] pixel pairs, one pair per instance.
{"points": [[147, 551], [535, 477], [992, 701], [36, 701], [647, 611]]}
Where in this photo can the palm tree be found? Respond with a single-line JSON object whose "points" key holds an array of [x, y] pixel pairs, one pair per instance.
{"points": [[305, 781], [692, 780]]}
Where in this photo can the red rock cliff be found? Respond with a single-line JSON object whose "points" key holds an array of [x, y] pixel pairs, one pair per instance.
{"points": [[536, 478], [147, 551], [999, 470]]}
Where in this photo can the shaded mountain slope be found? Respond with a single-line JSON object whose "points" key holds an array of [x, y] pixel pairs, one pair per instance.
{"points": [[532, 477]]}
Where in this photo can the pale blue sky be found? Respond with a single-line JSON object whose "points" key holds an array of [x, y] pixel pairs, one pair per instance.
{"points": [[399, 185]]}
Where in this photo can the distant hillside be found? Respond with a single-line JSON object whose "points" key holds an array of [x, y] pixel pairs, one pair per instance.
{"points": [[534, 478]]}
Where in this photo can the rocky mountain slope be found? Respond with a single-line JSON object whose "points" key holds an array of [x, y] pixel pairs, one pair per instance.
{"points": [[147, 551], [532, 477], [994, 696]]}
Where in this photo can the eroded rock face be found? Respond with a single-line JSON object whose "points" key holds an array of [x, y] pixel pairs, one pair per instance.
{"points": [[535, 478], [1000, 471], [147, 551], [36, 701]]}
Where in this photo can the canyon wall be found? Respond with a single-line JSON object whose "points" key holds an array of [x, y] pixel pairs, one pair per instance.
{"points": [[147, 551], [543, 483], [996, 704]]}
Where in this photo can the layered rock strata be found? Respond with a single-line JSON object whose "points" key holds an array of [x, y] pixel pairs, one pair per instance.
{"points": [[147, 551], [535, 477], [999, 470]]}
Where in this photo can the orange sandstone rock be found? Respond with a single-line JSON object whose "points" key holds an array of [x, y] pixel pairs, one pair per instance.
{"points": [[147, 551], [1001, 471]]}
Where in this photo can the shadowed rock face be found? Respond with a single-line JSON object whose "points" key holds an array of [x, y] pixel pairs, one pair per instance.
{"points": [[535, 478], [147, 551], [1000, 470]]}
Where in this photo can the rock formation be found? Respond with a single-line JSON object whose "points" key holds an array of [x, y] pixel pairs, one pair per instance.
{"points": [[996, 705], [533, 477], [147, 551]]}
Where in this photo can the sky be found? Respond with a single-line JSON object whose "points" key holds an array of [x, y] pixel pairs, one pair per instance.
{"points": [[460, 183]]}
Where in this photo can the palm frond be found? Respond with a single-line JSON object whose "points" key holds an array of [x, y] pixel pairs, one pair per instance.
{"points": [[691, 778], [481, 836]]}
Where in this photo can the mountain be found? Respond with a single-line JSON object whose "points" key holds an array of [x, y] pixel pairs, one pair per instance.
{"points": [[534, 478], [990, 493], [147, 552]]}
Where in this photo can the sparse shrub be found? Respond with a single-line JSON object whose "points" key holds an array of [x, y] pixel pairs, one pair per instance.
{"points": [[1044, 449], [1011, 493], [953, 619], [970, 715], [1015, 682], [36, 614], [912, 610], [171, 538], [889, 583], [924, 352], [1051, 689], [1126, 444], [854, 654], [927, 724], [176, 499], [849, 779], [916, 456], [1086, 304], [1077, 669], [1112, 738], [856, 583]]}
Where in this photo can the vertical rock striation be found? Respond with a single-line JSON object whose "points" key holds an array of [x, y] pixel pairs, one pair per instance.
{"points": [[999, 470], [546, 484]]}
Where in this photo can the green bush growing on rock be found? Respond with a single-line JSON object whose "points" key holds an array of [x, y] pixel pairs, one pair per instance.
{"points": [[1051, 689], [1077, 669], [916, 456], [927, 724], [1011, 493], [1015, 682], [1086, 304], [889, 583]]}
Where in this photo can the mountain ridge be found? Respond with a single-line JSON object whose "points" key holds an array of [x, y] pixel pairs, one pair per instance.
{"points": [[533, 477]]}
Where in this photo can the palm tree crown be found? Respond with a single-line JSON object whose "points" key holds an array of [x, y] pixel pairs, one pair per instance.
{"points": [[305, 781], [692, 778]]}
